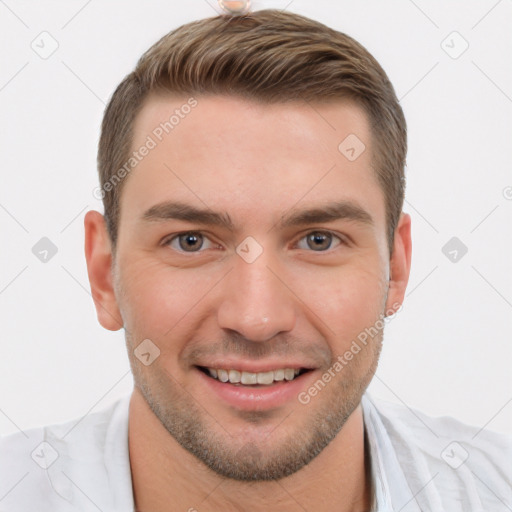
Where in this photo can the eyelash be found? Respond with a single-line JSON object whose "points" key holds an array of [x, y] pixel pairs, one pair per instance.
{"points": [[176, 236]]}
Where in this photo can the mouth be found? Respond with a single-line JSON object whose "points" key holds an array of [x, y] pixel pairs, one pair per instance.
{"points": [[253, 379], [253, 385]]}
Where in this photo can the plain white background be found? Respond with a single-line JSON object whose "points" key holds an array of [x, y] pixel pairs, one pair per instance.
{"points": [[447, 353]]}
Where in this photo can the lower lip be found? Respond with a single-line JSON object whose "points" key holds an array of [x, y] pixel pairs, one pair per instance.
{"points": [[261, 398]]}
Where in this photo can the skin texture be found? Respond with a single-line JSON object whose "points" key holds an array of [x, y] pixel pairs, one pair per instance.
{"points": [[298, 302]]}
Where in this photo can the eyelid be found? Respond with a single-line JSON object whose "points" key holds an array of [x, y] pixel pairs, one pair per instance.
{"points": [[170, 238], [342, 239]]}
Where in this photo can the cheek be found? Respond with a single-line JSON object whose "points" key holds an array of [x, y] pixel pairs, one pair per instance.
{"points": [[347, 301], [155, 299]]}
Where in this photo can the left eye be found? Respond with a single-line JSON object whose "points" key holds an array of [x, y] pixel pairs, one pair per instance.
{"points": [[189, 242], [318, 241]]}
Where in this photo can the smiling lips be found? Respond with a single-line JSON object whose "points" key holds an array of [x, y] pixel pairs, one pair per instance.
{"points": [[250, 378], [268, 386]]}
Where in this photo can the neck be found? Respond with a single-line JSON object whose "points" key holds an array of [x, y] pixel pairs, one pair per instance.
{"points": [[164, 474]]}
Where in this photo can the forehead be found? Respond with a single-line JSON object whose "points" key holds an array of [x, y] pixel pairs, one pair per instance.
{"points": [[249, 156], [299, 126]]}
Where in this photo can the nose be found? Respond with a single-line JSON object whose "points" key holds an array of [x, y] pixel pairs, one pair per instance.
{"points": [[256, 301]]}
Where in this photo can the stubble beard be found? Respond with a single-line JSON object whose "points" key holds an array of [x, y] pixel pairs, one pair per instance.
{"points": [[205, 438]]}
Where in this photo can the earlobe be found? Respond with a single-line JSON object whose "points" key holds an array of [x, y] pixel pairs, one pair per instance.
{"points": [[400, 264], [98, 254]]}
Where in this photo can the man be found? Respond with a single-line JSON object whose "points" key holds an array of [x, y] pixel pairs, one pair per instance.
{"points": [[253, 247]]}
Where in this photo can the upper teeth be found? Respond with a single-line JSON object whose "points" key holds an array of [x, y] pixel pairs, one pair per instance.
{"points": [[236, 377]]}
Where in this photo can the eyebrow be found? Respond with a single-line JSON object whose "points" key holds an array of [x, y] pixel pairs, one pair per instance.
{"points": [[340, 210], [182, 211]]}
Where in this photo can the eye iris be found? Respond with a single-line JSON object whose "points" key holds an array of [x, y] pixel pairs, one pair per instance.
{"points": [[190, 242], [319, 241]]}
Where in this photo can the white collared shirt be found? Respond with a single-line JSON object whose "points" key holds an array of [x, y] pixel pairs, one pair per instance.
{"points": [[418, 464]]}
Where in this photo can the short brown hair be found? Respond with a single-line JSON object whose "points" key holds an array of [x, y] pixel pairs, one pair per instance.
{"points": [[268, 56]]}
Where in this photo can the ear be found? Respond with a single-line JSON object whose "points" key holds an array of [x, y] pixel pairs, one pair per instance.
{"points": [[98, 254], [400, 264]]}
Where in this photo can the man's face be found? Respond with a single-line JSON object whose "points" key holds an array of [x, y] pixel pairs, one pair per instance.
{"points": [[248, 243]]}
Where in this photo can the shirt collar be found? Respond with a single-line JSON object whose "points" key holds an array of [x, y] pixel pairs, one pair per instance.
{"points": [[388, 480]]}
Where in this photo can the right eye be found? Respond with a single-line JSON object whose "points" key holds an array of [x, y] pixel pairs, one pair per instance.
{"points": [[191, 241]]}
